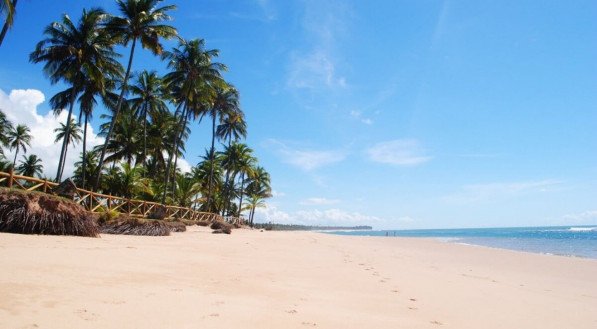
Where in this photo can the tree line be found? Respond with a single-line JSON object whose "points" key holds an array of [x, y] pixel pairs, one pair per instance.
{"points": [[149, 115]]}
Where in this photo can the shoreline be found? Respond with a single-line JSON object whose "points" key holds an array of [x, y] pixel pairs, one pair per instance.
{"points": [[278, 279]]}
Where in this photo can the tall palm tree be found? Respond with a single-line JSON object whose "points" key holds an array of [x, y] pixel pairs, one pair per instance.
{"points": [[125, 143], [8, 9], [191, 79], [141, 21], [18, 139], [30, 166], [149, 101], [85, 168], [71, 52], [225, 101]]}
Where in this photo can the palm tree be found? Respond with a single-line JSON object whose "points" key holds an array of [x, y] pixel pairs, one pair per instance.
{"points": [[85, 168], [8, 10], [5, 127], [125, 143], [73, 52], [19, 138], [192, 77], [225, 101], [141, 21], [258, 189], [30, 166], [244, 166], [187, 190], [149, 101]]}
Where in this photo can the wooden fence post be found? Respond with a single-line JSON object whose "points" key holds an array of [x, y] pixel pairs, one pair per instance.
{"points": [[11, 176]]}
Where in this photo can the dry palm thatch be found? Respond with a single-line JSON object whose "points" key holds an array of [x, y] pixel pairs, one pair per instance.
{"points": [[40, 213], [135, 226], [221, 227], [177, 226]]}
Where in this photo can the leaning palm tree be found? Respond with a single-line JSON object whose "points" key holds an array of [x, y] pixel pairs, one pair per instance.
{"points": [[225, 101], [72, 52], [18, 139], [7, 9], [74, 135], [191, 80], [149, 100], [30, 166], [141, 21]]}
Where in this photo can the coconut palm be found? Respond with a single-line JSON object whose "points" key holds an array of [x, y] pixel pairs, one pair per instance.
{"points": [[244, 166], [5, 127], [85, 168], [125, 143], [191, 80], [186, 191], [30, 166], [19, 138], [71, 52], [258, 189], [141, 21], [225, 101], [149, 101], [75, 132], [8, 10]]}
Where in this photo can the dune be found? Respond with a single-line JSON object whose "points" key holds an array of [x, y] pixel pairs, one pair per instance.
{"points": [[254, 279]]}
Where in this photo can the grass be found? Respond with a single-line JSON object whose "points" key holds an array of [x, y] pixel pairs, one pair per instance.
{"points": [[39, 213]]}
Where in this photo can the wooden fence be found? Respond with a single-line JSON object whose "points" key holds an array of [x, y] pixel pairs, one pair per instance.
{"points": [[96, 202]]}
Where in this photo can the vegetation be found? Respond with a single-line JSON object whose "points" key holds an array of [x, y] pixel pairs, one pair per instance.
{"points": [[40, 213], [149, 115]]}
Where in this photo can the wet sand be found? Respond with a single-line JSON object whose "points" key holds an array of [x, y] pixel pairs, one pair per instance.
{"points": [[254, 279]]}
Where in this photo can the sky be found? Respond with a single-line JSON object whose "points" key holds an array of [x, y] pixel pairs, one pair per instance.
{"points": [[394, 114]]}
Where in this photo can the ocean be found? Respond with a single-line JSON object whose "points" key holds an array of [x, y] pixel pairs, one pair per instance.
{"points": [[574, 241]]}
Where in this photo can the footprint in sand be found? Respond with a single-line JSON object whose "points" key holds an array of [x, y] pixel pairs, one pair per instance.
{"points": [[395, 291], [413, 299], [436, 322], [291, 311], [310, 324], [86, 315]]}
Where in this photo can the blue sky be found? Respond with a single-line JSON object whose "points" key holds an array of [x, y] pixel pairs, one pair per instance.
{"points": [[396, 114]]}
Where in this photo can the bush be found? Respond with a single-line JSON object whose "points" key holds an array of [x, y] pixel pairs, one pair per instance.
{"points": [[39, 213], [106, 215]]}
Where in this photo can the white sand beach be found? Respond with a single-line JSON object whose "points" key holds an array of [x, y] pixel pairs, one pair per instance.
{"points": [[254, 279]]}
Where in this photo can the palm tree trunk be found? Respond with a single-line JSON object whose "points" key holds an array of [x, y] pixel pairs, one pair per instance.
{"points": [[84, 166], [212, 160], [174, 149], [144, 137], [118, 105], [242, 187], [6, 23], [226, 189], [66, 135], [14, 162]]}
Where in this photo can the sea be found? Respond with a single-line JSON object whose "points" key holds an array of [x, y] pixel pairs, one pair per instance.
{"points": [[573, 241]]}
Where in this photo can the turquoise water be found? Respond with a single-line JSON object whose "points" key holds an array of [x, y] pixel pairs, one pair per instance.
{"points": [[578, 241]]}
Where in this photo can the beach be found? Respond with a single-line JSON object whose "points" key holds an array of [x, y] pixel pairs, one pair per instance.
{"points": [[255, 279]]}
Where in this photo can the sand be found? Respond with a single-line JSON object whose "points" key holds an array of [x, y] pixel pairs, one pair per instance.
{"points": [[254, 279]]}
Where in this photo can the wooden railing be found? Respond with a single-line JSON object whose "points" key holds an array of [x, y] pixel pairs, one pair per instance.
{"points": [[96, 202]]}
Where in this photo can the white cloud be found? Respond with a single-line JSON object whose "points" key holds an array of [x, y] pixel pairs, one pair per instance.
{"points": [[278, 193], [494, 191], [401, 152], [314, 70], [586, 216], [305, 159], [314, 217], [20, 107], [319, 202], [359, 116], [317, 67]]}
